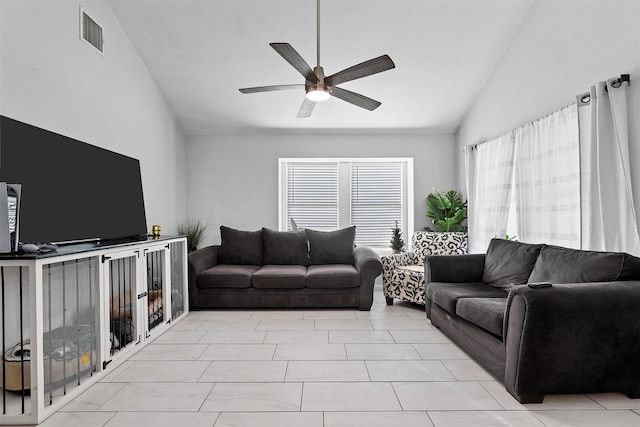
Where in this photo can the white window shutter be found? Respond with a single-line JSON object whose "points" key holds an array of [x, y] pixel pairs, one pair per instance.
{"points": [[376, 201], [312, 195]]}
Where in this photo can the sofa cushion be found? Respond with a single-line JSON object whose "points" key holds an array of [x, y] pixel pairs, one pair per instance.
{"points": [[332, 276], [285, 247], [509, 263], [564, 265], [279, 277], [631, 268], [331, 247], [487, 313], [226, 276], [446, 295], [240, 247]]}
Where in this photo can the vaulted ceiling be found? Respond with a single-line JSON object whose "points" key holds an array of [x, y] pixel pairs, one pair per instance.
{"points": [[200, 52]]}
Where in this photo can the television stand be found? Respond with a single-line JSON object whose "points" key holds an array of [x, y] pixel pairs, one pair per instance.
{"points": [[71, 316]]}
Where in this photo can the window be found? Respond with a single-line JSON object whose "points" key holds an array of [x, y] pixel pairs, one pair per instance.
{"points": [[526, 184], [312, 195], [327, 194]]}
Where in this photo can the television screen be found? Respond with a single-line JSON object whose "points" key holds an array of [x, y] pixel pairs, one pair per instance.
{"points": [[71, 191]]}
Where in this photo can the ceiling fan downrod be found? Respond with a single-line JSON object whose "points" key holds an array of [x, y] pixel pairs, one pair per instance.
{"points": [[318, 92], [318, 33]]}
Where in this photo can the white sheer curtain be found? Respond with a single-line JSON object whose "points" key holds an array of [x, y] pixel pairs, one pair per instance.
{"points": [[608, 215], [547, 179], [489, 168]]}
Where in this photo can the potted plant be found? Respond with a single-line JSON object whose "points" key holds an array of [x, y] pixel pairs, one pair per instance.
{"points": [[193, 228], [294, 225], [397, 244], [447, 211]]}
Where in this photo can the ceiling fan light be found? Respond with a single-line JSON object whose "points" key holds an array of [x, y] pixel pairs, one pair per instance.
{"points": [[317, 94]]}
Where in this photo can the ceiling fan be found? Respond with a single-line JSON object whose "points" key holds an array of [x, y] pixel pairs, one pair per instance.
{"points": [[319, 88]]}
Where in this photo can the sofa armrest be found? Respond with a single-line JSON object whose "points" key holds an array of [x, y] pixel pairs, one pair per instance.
{"points": [[203, 259], [398, 260], [367, 262], [199, 261], [393, 261], [570, 338], [454, 268]]}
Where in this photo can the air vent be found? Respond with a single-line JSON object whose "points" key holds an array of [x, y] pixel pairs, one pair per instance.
{"points": [[91, 31]]}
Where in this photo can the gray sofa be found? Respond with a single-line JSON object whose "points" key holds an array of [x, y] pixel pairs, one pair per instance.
{"points": [[580, 335], [276, 269]]}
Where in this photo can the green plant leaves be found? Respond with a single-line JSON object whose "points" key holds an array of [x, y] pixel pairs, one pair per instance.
{"points": [[447, 210], [397, 244], [194, 229]]}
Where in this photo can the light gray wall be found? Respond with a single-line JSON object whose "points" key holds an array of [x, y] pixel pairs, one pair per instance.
{"points": [[560, 49], [51, 79], [233, 179]]}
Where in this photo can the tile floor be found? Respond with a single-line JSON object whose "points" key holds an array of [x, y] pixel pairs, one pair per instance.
{"points": [[318, 368]]}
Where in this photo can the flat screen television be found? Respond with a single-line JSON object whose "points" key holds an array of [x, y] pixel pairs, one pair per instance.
{"points": [[71, 191]]}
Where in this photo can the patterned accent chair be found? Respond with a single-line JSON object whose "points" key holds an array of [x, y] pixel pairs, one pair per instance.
{"points": [[403, 273]]}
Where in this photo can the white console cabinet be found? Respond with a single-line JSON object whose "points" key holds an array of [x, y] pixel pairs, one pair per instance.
{"points": [[68, 317]]}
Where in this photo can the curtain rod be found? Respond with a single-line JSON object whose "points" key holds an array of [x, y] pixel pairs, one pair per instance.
{"points": [[474, 146], [616, 83], [621, 79]]}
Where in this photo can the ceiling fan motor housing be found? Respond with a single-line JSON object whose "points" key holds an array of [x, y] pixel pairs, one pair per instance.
{"points": [[317, 91]]}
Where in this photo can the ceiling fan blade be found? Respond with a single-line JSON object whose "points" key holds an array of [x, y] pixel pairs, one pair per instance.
{"points": [[270, 88], [292, 57], [306, 109], [364, 69], [355, 98]]}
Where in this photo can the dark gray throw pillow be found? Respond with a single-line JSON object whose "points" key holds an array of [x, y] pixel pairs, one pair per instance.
{"points": [[508, 263], [565, 265], [331, 247], [631, 268], [240, 247], [285, 247]]}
